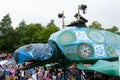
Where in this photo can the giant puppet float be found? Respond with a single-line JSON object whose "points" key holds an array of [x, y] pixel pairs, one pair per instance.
{"points": [[76, 43]]}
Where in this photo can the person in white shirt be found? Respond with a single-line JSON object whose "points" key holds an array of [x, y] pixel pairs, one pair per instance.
{"points": [[34, 76]]}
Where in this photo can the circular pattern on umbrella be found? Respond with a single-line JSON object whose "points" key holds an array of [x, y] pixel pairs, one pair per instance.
{"points": [[112, 38], [99, 51], [44, 51], [85, 50], [110, 50], [81, 35], [28, 47], [47, 51], [70, 49], [96, 36], [67, 37], [34, 52], [71, 52]]}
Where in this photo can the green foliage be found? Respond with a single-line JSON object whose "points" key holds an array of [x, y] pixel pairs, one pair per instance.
{"points": [[19, 31], [73, 22], [21, 28], [51, 24], [11, 39], [45, 34], [96, 25], [34, 33], [118, 33], [22, 24], [7, 34], [7, 40], [114, 29], [31, 34], [6, 21]]}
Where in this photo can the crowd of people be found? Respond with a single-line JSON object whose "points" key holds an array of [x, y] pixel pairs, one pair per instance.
{"points": [[5, 56], [13, 72]]}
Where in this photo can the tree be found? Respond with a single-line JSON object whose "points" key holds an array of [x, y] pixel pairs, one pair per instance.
{"points": [[47, 31], [22, 24], [51, 24], [19, 31], [45, 34], [114, 29], [21, 28], [96, 25], [6, 22], [7, 37], [31, 33]]}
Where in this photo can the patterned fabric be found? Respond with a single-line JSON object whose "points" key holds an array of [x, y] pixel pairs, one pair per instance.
{"points": [[85, 43], [75, 43], [33, 52], [66, 37], [71, 52], [112, 38], [99, 50], [85, 50], [81, 35], [96, 36], [110, 50]]}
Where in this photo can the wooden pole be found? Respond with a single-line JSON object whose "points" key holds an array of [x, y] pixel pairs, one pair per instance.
{"points": [[78, 17], [63, 23]]}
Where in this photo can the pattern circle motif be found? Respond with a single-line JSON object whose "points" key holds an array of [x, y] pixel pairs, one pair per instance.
{"points": [[96, 36], [67, 37], [46, 51], [28, 47], [85, 50], [99, 51], [71, 52], [70, 49], [110, 50], [112, 38], [81, 35]]}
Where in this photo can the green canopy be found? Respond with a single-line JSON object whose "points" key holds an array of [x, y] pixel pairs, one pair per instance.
{"points": [[102, 66]]}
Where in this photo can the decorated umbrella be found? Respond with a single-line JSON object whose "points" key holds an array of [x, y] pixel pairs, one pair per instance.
{"points": [[72, 45], [87, 45], [102, 66], [35, 52], [35, 55]]}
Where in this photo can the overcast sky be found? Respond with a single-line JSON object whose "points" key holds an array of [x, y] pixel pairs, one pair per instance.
{"points": [[42, 11]]}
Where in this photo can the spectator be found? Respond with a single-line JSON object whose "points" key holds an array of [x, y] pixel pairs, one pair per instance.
{"points": [[12, 71], [2, 76], [59, 76], [34, 76], [7, 72]]}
